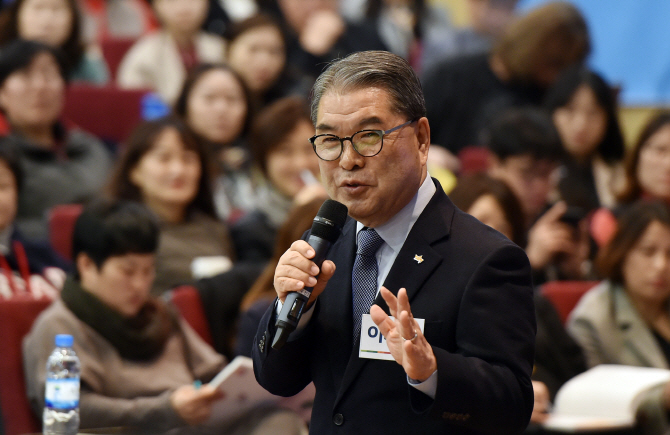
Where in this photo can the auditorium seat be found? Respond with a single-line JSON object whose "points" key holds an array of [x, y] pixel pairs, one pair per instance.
{"points": [[566, 294], [109, 113], [16, 319], [114, 50], [473, 160], [61, 226], [187, 300]]}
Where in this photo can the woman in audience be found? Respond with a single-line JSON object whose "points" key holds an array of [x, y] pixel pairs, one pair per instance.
{"points": [[257, 52], [161, 60], [214, 102], [464, 94], [139, 359], [60, 164], [583, 108], [493, 203], [27, 267], [281, 150], [166, 168], [57, 23], [625, 319], [648, 165]]}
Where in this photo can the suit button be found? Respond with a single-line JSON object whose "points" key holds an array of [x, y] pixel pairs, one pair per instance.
{"points": [[338, 419], [261, 344]]}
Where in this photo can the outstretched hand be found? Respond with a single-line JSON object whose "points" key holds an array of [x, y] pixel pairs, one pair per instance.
{"points": [[406, 342]]}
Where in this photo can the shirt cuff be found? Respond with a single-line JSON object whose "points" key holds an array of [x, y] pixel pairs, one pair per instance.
{"points": [[304, 318], [427, 387]]}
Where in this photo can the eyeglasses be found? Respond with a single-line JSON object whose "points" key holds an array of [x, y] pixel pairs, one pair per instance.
{"points": [[367, 143]]}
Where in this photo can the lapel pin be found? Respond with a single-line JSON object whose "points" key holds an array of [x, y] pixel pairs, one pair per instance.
{"points": [[418, 258]]}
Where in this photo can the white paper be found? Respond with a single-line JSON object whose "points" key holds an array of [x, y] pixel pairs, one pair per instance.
{"points": [[242, 393], [606, 396]]}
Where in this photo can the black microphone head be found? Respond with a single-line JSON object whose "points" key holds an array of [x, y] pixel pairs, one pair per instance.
{"points": [[329, 220]]}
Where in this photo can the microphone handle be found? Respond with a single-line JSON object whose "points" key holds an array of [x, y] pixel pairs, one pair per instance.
{"points": [[295, 302]]}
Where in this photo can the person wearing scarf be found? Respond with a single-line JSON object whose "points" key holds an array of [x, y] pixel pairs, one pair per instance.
{"points": [[140, 360]]}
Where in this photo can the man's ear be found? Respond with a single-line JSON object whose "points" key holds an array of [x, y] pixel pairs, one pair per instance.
{"points": [[3, 98], [494, 165], [423, 137], [85, 266]]}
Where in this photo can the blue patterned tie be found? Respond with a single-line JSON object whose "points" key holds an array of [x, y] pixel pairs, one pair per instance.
{"points": [[364, 276]]}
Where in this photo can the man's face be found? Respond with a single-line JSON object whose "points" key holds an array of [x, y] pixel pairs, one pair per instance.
{"points": [[33, 96], [530, 179], [373, 188], [122, 282]]}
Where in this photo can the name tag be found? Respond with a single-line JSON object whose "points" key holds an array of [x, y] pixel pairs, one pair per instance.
{"points": [[373, 344]]}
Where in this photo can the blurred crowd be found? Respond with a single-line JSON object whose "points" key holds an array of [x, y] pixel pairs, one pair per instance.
{"points": [[525, 137]]}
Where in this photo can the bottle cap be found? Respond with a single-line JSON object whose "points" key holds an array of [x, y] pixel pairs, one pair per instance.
{"points": [[64, 340]]}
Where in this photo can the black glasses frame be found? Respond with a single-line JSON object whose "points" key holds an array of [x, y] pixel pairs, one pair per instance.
{"points": [[381, 133]]}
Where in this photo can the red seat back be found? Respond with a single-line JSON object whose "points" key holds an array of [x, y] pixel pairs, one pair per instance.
{"points": [[114, 50], [16, 319], [109, 113], [187, 300], [61, 226], [566, 294], [474, 160]]}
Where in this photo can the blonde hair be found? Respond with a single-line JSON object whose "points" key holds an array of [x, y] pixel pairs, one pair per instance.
{"points": [[558, 26]]}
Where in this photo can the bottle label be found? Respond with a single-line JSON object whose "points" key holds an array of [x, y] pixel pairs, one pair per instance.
{"points": [[62, 393]]}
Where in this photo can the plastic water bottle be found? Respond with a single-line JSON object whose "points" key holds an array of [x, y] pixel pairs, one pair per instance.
{"points": [[61, 397]]}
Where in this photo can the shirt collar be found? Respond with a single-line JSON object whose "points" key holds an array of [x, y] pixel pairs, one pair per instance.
{"points": [[395, 231]]}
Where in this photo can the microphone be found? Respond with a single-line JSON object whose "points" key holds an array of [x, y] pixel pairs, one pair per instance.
{"points": [[326, 229]]}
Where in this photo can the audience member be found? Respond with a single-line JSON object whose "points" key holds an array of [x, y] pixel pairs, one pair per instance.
{"points": [[281, 150], [464, 94], [166, 168], [257, 52], [493, 203], [263, 293], [57, 23], [525, 153], [139, 359], [648, 163], [410, 28], [584, 110], [60, 164], [27, 267], [214, 102], [317, 34], [161, 60], [625, 319]]}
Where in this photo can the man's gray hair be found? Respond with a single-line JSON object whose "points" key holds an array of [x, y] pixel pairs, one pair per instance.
{"points": [[373, 69]]}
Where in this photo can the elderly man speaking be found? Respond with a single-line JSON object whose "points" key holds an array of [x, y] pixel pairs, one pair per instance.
{"points": [[421, 320]]}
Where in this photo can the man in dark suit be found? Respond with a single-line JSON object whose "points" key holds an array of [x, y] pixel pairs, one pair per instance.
{"points": [[467, 370]]}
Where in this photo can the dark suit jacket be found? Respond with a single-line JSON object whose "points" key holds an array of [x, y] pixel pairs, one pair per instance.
{"points": [[474, 290]]}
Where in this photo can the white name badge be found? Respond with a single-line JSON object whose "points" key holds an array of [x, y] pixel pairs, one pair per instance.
{"points": [[373, 344]]}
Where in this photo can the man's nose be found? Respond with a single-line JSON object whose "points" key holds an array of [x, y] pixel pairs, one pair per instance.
{"points": [[350, 158]]}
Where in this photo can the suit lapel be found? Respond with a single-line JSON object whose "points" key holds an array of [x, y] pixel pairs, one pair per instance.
{"points": [[336, 308], [637, 336], [433, 224]]}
